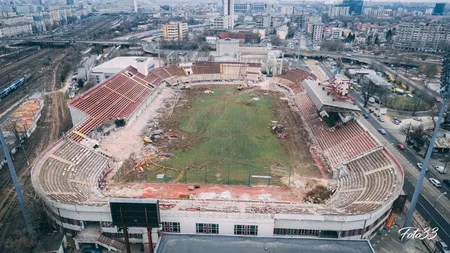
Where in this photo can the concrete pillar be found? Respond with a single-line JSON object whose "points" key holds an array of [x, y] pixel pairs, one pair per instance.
{"points": [[77, 245], [96, 246]]}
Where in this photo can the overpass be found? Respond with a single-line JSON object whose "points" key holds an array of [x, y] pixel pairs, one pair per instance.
{"points": [[74, 41], [361, 57]]}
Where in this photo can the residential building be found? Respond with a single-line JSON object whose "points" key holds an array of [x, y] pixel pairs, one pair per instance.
{"points": [[263, 21], [287, 10], [439, 9], [282, 32], [259, 7], [175, 31], [422, 36], [336, 33], [211, 39], [429, 11], [16, 30], [228, 10], [242, 7], [221, 23], [317, 32], [339, 11]]}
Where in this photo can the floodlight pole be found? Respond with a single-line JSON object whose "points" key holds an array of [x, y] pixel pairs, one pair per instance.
{"points": [[149, 233], [446, 85], [12, 171], [125, 232]]}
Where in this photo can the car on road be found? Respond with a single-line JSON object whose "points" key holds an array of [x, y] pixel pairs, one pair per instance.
{"points": [[401, 146], [396, 121], [419, 165], [380, 118], [366, 116], [371, 110], [382, 131], [446, 182], [435, 182], [440, 169], [417, 119]]}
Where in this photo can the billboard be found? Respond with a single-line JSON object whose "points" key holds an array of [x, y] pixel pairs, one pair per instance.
{"points": [[135, 212]]}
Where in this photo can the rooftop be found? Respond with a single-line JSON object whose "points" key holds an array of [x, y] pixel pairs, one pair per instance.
{"points": [[118, 64], [323, 101], [25, 115], [238, 244]]}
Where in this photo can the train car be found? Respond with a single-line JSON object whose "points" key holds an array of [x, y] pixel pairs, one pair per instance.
{"points": [[11, 87]]}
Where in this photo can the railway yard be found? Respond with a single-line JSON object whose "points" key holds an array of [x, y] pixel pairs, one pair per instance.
{"points": [[41, 68]]}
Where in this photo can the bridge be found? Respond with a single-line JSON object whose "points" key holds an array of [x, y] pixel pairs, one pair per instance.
{"points": [[73, 41], [369, 59]]}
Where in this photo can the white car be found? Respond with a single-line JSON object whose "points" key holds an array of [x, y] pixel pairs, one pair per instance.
{"points": [[419, 165], [435, 182], [440, 169]]}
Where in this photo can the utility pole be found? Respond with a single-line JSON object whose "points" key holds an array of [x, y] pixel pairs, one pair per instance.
{"points": [[445, 84], [19, 194]]}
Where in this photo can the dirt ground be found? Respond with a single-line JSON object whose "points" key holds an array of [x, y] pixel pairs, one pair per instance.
{"points": [[124, 142]]}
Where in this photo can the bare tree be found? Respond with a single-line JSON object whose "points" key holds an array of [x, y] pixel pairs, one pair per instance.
{"points": [[368, 89], [430, 71], [13, 126], [406, 130]]}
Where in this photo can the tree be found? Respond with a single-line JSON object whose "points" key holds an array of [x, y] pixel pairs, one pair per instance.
{"points": [[406, 130], [275, 41], [377, 40], [369, 39], [389, 35], [368, 89], [383, 93], [430, 71], [80, 83]]}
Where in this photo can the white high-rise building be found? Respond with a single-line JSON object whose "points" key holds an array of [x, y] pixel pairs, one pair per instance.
{"points": [[228, 10]]}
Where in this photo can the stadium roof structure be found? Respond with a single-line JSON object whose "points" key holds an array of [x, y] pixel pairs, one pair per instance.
{"points": [[324, 102], [241, 244]]}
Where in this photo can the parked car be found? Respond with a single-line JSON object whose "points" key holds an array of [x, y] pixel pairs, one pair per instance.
{"points": [[419, 165], [440, 169], [446, 182], [442, 246], [435, 182], [380, 118], [401, 146], [371, 110], [382, 131], [366, 116]]}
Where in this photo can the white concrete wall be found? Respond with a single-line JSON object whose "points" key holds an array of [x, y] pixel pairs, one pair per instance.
{"points": [[77, 115]]}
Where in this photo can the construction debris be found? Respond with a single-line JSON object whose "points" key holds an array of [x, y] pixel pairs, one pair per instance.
{"points": [[278, 130]]}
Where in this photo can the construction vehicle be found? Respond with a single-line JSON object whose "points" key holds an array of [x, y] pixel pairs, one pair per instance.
{"points": [[147, 140]]}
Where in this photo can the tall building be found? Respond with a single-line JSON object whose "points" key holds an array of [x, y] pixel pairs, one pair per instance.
{"points": [[221, 23], [355, 6], [439, 9], [339, 11], [175, 31], [228, 10], [421, 36], [317, 32], [69, 2]]}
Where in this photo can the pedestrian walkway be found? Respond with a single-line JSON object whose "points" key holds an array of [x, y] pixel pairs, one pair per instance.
{"points": [[388, 241]]}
